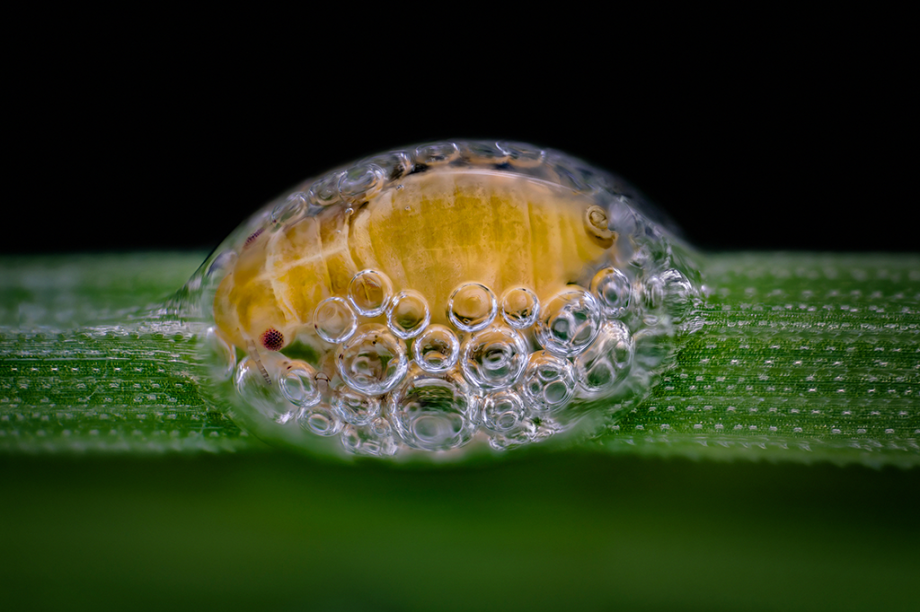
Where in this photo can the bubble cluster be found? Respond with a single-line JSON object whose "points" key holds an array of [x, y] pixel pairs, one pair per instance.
{"points": [[358, 339]]}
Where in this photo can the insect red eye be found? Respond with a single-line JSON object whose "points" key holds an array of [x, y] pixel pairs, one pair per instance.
{"points": [[272, 339]]}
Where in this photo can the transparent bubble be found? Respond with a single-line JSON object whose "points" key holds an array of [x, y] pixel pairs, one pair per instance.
{"points": [[408, 314], [334, 320], [355, 408], [548, 383], [471, 307], [653, 292], [375, 439], [360, 182], [613, 292], [606, 362], [434, 412], [437, 349], [373, 361], [483, 152], [219, 355], [678, 292], [437, 153], [325, 191], [522, 155], [298, 384], [292, 206], [569, 322], [259, 394], [520, 307], [506, 419], [320, 420], [493, 358], [394, 164], [369, 292]]}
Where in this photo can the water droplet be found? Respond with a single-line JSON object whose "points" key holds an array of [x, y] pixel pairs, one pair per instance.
{"points": [[548, 383], [520, 307], [471, 307], [493, 358], [408, 314], [373, 361], [355, 408], [370, 292], [569, 322], [373, 440], [606, 362], [433, 411], [613, 292], [298, 384], [334, 320], [437, 349], [320, 420]]}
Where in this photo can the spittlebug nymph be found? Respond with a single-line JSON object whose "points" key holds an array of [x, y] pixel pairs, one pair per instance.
{"points": [[451, 292]]}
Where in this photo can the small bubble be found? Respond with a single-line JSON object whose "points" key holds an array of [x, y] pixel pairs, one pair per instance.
{"points": [[394, 164], [613, 292], [471, 307], [259, 394], [437, 349], [408, 314], [355, 408], [493, 358], [433, 411], [370, 292], [569, 322], [293, 206], [605, 362], [522, 155], [373, 440], [520, 307], [334, 320], [483, 152], [436, 153], [325, 191], [320, 420], [373, 361], [219, 355], [548, 382], [505, 417], [360, 182], [298, 384]]}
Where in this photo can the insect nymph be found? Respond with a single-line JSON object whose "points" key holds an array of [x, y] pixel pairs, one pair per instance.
{"points": [[428, 297]]}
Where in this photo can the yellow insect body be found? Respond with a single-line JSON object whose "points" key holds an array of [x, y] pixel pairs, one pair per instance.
{"points": [[430, 232]]}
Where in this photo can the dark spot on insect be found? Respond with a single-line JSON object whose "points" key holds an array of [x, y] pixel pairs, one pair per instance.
{"points": [[272, 339], [417, 168], [504, 166], [253, 236]]}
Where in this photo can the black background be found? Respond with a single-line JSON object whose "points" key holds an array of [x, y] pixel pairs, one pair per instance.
{"points": [[793, 139]]}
